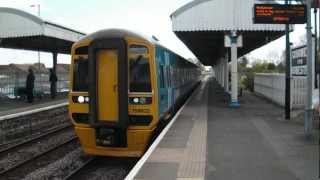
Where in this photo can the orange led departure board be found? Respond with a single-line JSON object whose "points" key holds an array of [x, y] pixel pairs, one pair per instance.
{"points": [[279, 14]]}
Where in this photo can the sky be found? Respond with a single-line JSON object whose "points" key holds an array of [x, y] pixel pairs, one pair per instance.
{"points": [[149, 17]]}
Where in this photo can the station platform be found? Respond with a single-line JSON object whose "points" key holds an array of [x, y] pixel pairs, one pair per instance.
{"points": [[13, 106], [209, 140]]}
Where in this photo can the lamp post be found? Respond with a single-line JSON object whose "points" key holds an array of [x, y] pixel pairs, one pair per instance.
{"points": [[288, 74], [38, 12], [308, 107], [315, 11]]}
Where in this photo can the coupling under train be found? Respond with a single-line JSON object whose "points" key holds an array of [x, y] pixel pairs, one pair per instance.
{"points": [[123, 86]]}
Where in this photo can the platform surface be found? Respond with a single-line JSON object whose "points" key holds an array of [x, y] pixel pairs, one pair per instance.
{"points": [[13, 106], [211, 141]]}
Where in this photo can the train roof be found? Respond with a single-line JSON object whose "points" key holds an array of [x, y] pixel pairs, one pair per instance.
{"points": [[122, 33], [117, 33]]}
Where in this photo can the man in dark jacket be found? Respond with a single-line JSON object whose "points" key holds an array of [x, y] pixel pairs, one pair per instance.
{"points": [[30, 85], [53, 83]]}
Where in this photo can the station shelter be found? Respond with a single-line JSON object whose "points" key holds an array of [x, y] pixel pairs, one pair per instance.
{"points": [[221, 31], [24, 31]]}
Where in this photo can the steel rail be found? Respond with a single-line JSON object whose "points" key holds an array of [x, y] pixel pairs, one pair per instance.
{"points": [[38, 156]]}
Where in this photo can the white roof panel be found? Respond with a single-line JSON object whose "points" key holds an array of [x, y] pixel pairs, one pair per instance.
{"points": [[17, 23], [219, 15]]}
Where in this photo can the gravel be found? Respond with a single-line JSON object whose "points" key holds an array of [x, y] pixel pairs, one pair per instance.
{"points": [[31, 150], [22, 127], [60, 168], [101, 168], [110, 173], [107, 168]]}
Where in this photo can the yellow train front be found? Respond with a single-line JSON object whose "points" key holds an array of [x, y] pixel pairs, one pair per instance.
{"points": [[122, 86]]}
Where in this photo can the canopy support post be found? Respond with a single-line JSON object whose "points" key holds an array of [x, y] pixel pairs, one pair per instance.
{"points": [[234, 70]]}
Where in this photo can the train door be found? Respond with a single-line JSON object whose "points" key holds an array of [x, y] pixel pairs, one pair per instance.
{"points": [[107, 60], [108, 91]]}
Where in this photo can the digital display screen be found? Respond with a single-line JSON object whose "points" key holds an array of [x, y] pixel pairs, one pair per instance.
{"points": [[280, 14]]}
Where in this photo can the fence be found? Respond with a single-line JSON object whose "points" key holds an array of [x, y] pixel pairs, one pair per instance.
{"points": [[272, 86], [10, 81]]}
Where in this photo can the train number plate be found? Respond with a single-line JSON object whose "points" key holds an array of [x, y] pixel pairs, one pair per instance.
{"points": [[105, 141]]}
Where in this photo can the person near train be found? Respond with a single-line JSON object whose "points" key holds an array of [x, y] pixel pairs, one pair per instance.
{"points": [[53, 84], [30, 85]]}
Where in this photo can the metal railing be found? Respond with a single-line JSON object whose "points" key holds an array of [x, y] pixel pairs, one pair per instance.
{"points": [[10, 82]]}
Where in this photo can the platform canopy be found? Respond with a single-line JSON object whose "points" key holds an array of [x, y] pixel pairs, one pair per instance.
{"points": [[202, 25], [21, 30]]}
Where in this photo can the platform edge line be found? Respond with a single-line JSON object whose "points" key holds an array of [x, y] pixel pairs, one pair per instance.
{"points": [[10, 116]]}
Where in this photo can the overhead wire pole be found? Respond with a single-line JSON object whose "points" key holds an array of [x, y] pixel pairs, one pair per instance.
{"points": [[318, 52], [315, 11], [288, 74], [308, 108], [317, 63]]}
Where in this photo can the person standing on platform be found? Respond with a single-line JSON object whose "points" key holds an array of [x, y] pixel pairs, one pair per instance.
{"points": [[30, 85], [53, 84]]}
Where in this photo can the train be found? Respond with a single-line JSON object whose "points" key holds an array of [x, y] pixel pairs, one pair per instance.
{"points": [[123, 86]]}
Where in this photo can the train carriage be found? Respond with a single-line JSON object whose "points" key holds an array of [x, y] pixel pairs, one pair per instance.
{"points": [[122, 86]]}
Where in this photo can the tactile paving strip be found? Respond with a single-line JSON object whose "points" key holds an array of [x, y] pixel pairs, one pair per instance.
{"points": [[191, 155]]}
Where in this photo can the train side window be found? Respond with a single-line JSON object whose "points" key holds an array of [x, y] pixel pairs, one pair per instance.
{"points": [[162, 77], [80, 75], [168, 77], [139, 74]]}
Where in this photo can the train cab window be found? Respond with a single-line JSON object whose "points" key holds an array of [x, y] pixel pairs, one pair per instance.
{"points": [[80, 75], [82, 50], [138, 49], [139, 74]]}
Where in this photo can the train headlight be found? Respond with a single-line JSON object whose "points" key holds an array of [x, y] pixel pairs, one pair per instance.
{"points": [[140, 100], [81, 99], [136, 100]]}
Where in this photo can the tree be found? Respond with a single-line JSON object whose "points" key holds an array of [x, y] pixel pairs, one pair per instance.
{"points": [[281, 68], [271, 67]]}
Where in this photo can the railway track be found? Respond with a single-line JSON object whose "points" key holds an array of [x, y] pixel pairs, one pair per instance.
{"points": [[15, 128], [29, 163], [103, 168], [77, 171], [6, 148]]}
